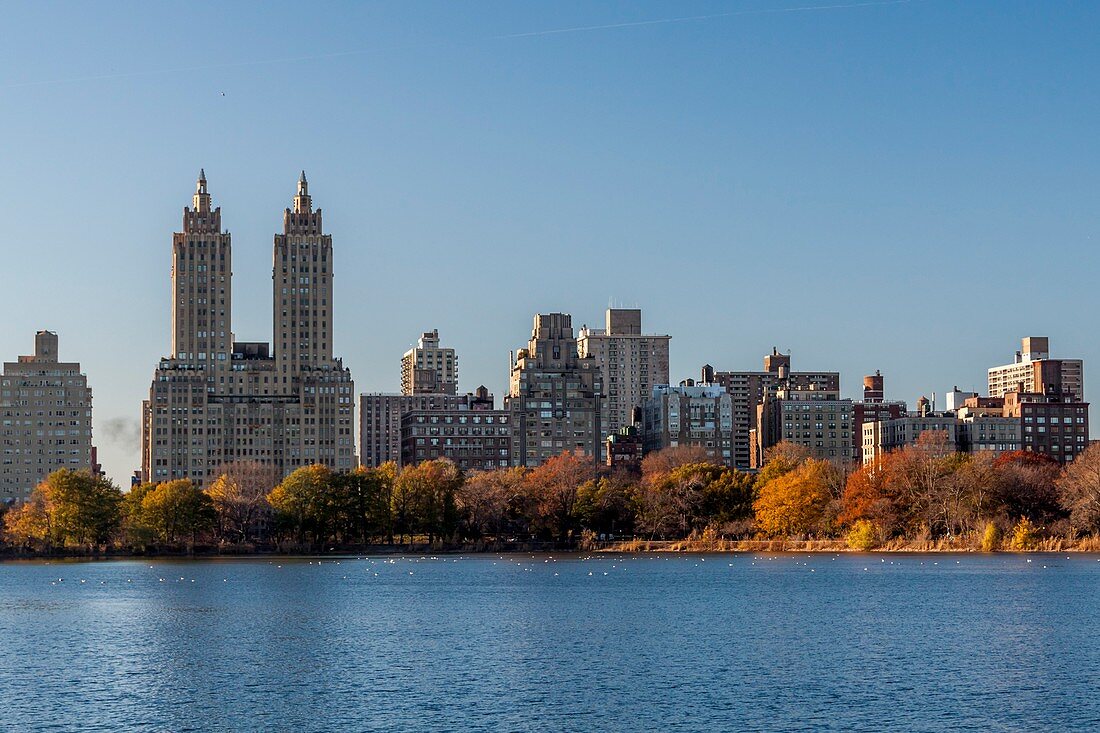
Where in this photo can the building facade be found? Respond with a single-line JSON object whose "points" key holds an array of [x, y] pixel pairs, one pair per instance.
{"points": [[1053, 421], [45, 419], [631, 363], [476, 437], [691, 414], [1021, 372], [429, 368], [817, 419], [872, 408], [215, 400], [555, 397], [748, 389], [380, 416]]}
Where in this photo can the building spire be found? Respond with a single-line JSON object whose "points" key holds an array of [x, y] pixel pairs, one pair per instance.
{"points": [[201, 200], [303, 204]]}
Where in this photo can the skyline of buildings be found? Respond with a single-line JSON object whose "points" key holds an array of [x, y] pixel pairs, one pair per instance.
{"points": [[290, 402]]}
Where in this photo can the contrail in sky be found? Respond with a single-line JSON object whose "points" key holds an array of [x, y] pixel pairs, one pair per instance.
{"points": [[507, 36]]}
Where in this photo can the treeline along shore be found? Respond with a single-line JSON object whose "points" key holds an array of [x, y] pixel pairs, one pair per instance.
{"points": [[924, 497]]}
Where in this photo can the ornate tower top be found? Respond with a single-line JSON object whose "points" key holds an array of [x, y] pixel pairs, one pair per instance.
{"points": [[302, 219], [201, 200], [201, 218]]}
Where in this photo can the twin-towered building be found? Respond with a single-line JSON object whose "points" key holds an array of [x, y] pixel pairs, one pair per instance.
{"points": [[215, 400]]}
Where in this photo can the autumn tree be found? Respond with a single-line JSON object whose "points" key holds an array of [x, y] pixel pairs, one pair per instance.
{"points": [[240, 494], [1079, 489], [659, 463], [554, 486], [867, 497], [794, 502], [1027, 486], [74, 507], [781, 458], [28, 524], [178, 509], [919, 475], [493, 503]]}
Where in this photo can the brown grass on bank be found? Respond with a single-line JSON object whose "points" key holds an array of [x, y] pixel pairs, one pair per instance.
{"points": [[961, 543]]}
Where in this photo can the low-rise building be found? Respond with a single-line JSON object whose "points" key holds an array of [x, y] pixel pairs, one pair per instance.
{"points": [[475, 436]]}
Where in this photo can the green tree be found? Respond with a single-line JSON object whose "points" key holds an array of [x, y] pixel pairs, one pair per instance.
{"points": [[178, 509], [300, 503], [608, 505], [136, 533], [81, 508], [426, 494]]}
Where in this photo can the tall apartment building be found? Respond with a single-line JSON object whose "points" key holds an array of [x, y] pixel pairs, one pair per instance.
{"points": [[631, 363], [814, 418], [695, 415], [555, 397], [45, 419], [748, 389], [1021, 372], [215, 400], [429, 368], [1053, 420], [380, 417]]}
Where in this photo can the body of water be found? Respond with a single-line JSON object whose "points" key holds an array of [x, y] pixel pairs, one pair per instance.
{"points": [[553, 643]]}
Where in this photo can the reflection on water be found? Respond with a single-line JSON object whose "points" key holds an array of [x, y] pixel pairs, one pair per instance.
{"points": [[715, 642]]}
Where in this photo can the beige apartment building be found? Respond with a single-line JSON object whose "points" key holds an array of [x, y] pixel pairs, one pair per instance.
{"points": [[1021, 372], [555, 397], [215, 400], [631, 364], [45, 419], [817, 419], [429, 368]]}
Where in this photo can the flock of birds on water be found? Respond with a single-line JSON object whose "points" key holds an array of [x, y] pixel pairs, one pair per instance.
{"points": [[378, 566]]}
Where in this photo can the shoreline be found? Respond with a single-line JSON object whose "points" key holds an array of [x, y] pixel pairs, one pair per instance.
{"points": [[643, 547]]}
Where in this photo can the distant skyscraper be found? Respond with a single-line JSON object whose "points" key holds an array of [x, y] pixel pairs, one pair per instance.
{"points": [[555, 397], [429, 368], [45, 419], [215, 400], [631, 364]]}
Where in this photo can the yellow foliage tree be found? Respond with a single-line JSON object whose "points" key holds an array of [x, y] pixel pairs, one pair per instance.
{"points": [[793, 503]]}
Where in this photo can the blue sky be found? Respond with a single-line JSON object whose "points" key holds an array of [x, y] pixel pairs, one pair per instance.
{"points": [[908, 187]]}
